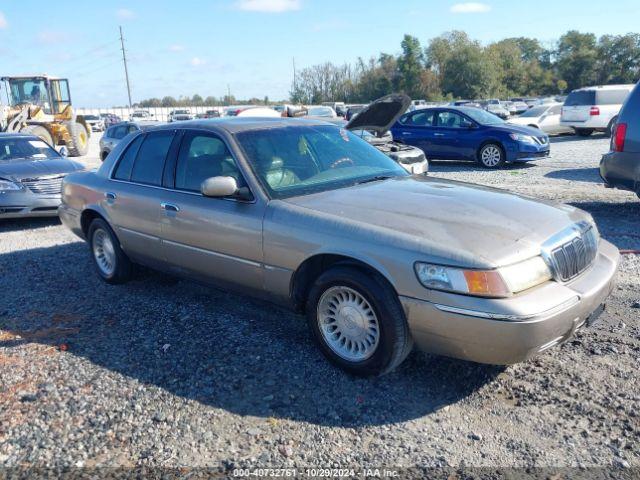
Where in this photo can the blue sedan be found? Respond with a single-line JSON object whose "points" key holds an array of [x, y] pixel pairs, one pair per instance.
{"points": [[466, 133]]}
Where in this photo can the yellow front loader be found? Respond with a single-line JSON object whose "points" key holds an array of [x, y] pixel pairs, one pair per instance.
{"points": [[41, 105]]}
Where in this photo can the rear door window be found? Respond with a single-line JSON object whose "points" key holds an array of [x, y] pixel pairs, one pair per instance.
{"points": [[581, 98], [611, 97], [125, 165], [149, 163], [119, 132]]}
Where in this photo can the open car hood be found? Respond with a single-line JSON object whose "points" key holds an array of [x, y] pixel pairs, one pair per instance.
{"points": [[379, 115]]}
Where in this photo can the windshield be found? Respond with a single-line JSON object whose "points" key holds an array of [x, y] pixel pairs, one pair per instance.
{"points": [[300, 160], [482, 116], [20, 148], [535, 112]]}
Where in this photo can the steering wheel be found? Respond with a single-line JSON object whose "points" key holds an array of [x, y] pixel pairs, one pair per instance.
{"points": [[341, 161]]}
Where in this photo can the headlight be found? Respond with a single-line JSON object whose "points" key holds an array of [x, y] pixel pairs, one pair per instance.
{"points": [[518, 137], [502, 282], [7, 185]]}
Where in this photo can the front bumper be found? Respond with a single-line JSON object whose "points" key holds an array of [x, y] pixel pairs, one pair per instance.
{"points": [[512, 330], [524, 152], [19, 204]]}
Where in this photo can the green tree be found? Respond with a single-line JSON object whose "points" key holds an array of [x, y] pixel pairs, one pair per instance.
{"points": [[196, 100], [169, 102], [619, 58], [576, 59], [410, 65]]}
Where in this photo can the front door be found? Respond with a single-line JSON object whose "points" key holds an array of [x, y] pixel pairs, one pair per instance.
{"points": [[218, 239], [454, 136]]}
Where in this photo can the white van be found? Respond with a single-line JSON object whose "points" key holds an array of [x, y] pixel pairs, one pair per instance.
{"points": [[591, 109]]}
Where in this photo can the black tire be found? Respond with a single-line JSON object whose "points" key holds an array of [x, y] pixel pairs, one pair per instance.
{"points": [[78, 144], [395, 340], [584, 132], [609, 129], [122, 265], [38, 131], [491, 163]]}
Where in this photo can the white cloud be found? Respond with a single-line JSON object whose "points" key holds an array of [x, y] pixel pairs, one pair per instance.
{"points": [[125, 14], [51, 37], [3, 21], [269, 6], [470, 7], [197, 61], [176, 48]]}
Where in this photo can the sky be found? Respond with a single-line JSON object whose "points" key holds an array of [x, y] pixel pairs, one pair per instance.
{"points": [[248, 46]]}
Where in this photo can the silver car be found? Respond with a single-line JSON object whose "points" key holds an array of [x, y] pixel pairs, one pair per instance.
{"points": [[31, 174], [308, 215]]}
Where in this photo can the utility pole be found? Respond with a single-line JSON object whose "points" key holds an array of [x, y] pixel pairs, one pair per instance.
{"points": [[126, 72], [294, 74], [228, 94]]}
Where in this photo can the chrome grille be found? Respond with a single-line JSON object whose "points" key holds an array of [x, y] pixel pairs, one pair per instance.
{"points": [[50, 185], [572, 252]]}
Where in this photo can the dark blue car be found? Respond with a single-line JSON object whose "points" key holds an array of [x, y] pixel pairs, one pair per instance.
{"points": [[466, 133]]}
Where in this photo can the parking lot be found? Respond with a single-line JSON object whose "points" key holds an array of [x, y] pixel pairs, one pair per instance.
{"points": [[167, 372]]}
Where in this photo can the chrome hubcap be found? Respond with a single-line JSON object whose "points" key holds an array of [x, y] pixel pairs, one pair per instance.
{"points": [[348, 324], [490, 156], [103, 252]]}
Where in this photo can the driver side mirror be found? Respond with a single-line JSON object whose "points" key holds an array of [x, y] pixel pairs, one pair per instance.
{"points": [[469, 125], [63, 151], [221, 187]]}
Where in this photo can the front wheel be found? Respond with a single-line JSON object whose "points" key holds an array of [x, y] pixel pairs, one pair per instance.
{"points": [[358, 322], [491, 155], [110, 261]]}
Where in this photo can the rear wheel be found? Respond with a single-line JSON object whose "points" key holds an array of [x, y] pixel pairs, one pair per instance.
{"points": [[38, 131], [358, 322], [110, 261], [78, 143], [584, 132], [491, 155]]}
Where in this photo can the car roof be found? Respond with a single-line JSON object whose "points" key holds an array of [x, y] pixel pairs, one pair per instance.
{"points": [[621, 86], [18, 135], [242, 124]]}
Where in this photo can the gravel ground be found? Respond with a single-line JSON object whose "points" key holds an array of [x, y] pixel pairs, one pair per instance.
{"points": [[166, 372]]}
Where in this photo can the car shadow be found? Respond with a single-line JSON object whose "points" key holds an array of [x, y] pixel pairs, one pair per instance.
{"points": [[618, 222], [224, 350], [442, 166], [18, 224], [577, 138], [577, 174]]}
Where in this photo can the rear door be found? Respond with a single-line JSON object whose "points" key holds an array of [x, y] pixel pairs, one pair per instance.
{"points": [[417, 130], [577, 106], [132, 199]]}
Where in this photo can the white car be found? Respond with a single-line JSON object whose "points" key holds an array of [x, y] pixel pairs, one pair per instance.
{"points": [[138, 115], [180, 115], [591, 109], [95, 122], [545, 117]]}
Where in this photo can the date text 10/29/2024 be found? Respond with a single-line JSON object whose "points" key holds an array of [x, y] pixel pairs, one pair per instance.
{"points": [[315, 473]]}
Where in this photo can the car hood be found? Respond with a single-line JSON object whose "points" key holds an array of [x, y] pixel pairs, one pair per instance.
{"points": [[35, 168], [378, 116], [455, 222], [513, 128]]}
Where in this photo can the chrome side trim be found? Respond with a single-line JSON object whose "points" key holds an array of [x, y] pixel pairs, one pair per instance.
{"points": [[508, 317], [139, 234], [215, 254]]}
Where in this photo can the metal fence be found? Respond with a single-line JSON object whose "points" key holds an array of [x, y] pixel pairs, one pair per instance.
{"points": [[160, 114]]}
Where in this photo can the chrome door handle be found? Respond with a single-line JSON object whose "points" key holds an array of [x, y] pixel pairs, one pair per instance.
{"points": [[438, 134], [110, 196], [169, 207]]}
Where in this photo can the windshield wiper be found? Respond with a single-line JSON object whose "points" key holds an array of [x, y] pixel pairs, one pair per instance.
{"points": [[377, 178]]}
